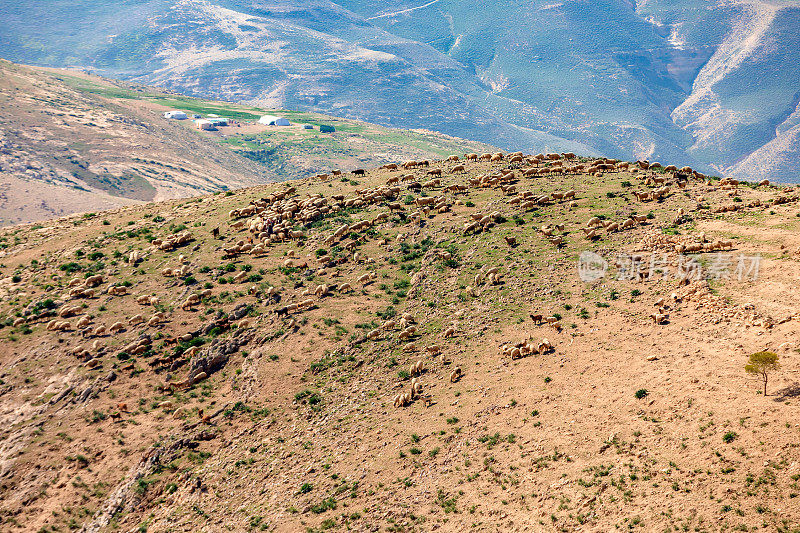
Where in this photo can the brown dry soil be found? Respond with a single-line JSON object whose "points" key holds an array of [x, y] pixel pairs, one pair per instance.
{"points": [[300, 431]]}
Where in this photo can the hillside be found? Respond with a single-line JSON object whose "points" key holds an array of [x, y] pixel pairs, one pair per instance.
{"points": [[71, 142], [710, 84], [190, 365]]}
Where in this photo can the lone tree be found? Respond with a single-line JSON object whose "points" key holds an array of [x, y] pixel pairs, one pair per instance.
{"points": [[761, 364]]}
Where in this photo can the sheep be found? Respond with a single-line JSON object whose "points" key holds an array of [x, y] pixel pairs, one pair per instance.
{"points": [[659, 318], [321, 291], [449, 332], [402, 399], [416, 368], [433, 349], [345, 287], [366, 278], [191, 352], [544, 346], [117, 290], [374, 334], [93, 281], [416, 387], [306, 304], [116, 327], [407, 332], [135, 319], [190, 302], [83, 322], [410, 347], [68, 311], [455, 375], [99, 330]]}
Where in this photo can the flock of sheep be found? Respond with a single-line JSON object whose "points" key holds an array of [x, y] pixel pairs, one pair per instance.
{"points": [[285, 216]]}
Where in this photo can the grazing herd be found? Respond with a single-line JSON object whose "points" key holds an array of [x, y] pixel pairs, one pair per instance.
{"points": [[420, 191]]}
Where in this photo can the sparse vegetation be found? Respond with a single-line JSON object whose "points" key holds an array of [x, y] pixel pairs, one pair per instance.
{"points": [[277, 390]]}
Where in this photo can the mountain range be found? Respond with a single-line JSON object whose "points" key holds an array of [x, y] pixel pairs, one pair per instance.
{"points": [[708, 84]]}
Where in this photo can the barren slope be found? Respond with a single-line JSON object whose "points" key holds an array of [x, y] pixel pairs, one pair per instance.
{"points": [[283, 418]]}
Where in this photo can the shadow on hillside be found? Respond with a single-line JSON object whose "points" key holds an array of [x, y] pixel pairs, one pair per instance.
{"points": [[791, 391]]}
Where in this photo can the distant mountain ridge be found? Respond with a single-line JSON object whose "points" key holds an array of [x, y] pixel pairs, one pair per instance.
{"points": [[712, 84]]}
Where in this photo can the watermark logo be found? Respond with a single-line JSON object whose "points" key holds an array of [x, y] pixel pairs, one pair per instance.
{"points": [[635, 267], [591, 266]]}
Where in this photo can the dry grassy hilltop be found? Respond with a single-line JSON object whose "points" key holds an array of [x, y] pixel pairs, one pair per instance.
{"points": [[407, 350]]}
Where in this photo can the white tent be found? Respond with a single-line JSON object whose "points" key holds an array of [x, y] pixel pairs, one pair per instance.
{"points": [[177, 115], [272, 120]]}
